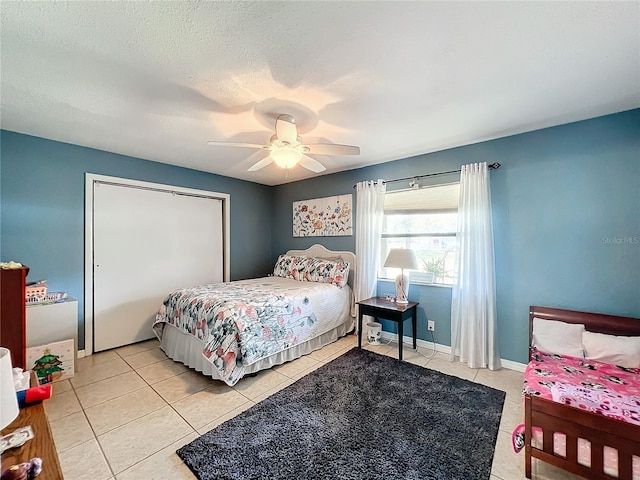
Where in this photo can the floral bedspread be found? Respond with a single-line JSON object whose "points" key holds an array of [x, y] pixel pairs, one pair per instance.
{"points": [[243, 322], [602, 388]]}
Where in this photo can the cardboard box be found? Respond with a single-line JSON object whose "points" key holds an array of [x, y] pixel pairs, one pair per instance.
{"points": [[52, 362]]}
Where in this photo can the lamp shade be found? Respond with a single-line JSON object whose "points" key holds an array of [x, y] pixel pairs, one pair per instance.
{"points": [[404, 258], [8, 400]]}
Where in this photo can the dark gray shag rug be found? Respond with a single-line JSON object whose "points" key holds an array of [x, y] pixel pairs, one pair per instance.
{"points": [[361, 416]]}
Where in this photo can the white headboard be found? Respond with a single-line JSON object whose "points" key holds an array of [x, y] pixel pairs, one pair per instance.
{"points": [[320, 251]]}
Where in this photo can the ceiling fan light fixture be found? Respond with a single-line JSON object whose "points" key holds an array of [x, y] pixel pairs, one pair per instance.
{"points": [[287, 150], [286, 157]]}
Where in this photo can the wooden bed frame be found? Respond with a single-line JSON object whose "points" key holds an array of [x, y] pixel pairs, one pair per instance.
{"points": [[575, 423]]}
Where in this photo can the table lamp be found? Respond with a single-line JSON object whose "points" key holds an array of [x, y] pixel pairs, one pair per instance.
{"points": [[8, 400], [402, 258]]}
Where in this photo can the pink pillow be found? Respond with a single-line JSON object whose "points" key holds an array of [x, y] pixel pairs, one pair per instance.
{"points": [[290, 266], [326, 271]]}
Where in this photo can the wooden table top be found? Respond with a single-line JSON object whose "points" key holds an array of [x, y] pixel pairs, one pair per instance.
{"points": [[40, 446], [380, 302]]}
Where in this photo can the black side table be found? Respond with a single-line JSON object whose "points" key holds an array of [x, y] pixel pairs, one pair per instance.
{"points": [[396, 312]]}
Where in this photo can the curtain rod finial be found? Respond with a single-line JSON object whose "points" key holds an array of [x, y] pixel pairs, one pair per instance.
{"points": [[494, 166]]}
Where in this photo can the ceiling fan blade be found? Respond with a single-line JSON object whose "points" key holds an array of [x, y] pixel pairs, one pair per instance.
{"points": [[235, 144], [333, 149], [311, 164], [261, 164], [286, 129]]}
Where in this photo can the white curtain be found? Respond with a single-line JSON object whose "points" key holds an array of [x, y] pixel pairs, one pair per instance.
{"points": [[369, 216], [474, 338]]}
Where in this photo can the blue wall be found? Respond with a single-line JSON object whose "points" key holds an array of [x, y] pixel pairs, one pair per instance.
{"points": [[566, 205], [566, 217], [42, 209]]}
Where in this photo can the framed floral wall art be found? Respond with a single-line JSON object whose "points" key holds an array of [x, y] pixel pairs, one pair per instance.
{"points": [[323, 217]]}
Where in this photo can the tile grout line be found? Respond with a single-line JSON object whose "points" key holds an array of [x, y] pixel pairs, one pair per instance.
{"points": [[319, 363], [218, 418], [104, 455], [93, 432], [171, 407], [145, 458], [153, 453], [109, 400], [98, 443], [95, 437], [132, 420]]}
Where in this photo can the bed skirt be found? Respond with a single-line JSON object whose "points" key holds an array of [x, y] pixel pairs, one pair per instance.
{"points": [[185, 348]]}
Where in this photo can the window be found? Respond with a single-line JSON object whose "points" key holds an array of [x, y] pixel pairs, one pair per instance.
{"points": [[424, 220]]}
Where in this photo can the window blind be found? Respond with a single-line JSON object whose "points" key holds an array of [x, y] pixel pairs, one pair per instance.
{"points": [[438, 198]]}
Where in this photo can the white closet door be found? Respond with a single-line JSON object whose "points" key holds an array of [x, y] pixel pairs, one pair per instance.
{"points": [[146, 244]]}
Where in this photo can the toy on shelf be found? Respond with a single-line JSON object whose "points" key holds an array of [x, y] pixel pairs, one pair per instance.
{"points": [[23, 471], [52, 362], [36, 294], [33, 395], [36, 289]]}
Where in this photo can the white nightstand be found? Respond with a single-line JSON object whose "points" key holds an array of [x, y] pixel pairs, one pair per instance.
{"points": [[53, 322]]}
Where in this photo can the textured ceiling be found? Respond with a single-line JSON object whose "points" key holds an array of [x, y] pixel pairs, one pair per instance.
{"points": [[158, 80]]}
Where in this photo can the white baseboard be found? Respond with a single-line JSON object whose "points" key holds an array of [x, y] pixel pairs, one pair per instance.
{"points": [[81, 353], [419, 342], [509, 364]]}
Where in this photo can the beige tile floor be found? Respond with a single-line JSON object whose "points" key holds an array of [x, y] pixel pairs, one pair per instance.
{"points": [[126, 411]]}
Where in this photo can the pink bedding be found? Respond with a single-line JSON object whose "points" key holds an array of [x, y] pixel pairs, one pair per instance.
{"points": [[601, 388]]}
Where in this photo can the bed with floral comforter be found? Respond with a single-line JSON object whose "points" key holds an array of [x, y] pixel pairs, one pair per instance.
{"points": [[240, 323]]}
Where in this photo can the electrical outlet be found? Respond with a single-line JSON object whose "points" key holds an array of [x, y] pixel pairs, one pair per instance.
{"points": [[431, 326]]}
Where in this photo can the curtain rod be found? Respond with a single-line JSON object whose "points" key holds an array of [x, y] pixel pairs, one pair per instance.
{"points": [[492, 166]]}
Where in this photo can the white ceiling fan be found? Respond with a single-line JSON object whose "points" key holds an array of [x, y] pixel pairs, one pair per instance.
{"points": [[286, 149]]}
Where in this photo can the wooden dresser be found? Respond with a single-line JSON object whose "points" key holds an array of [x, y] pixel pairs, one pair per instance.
{"points": [[13, 314], [41, 446], [13, 337]]}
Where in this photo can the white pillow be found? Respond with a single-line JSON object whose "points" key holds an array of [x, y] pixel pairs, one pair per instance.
{"points": [[556, 337], [623, 351]]}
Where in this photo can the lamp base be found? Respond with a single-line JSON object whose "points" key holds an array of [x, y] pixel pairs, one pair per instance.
{"points": [[402, 288]]}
